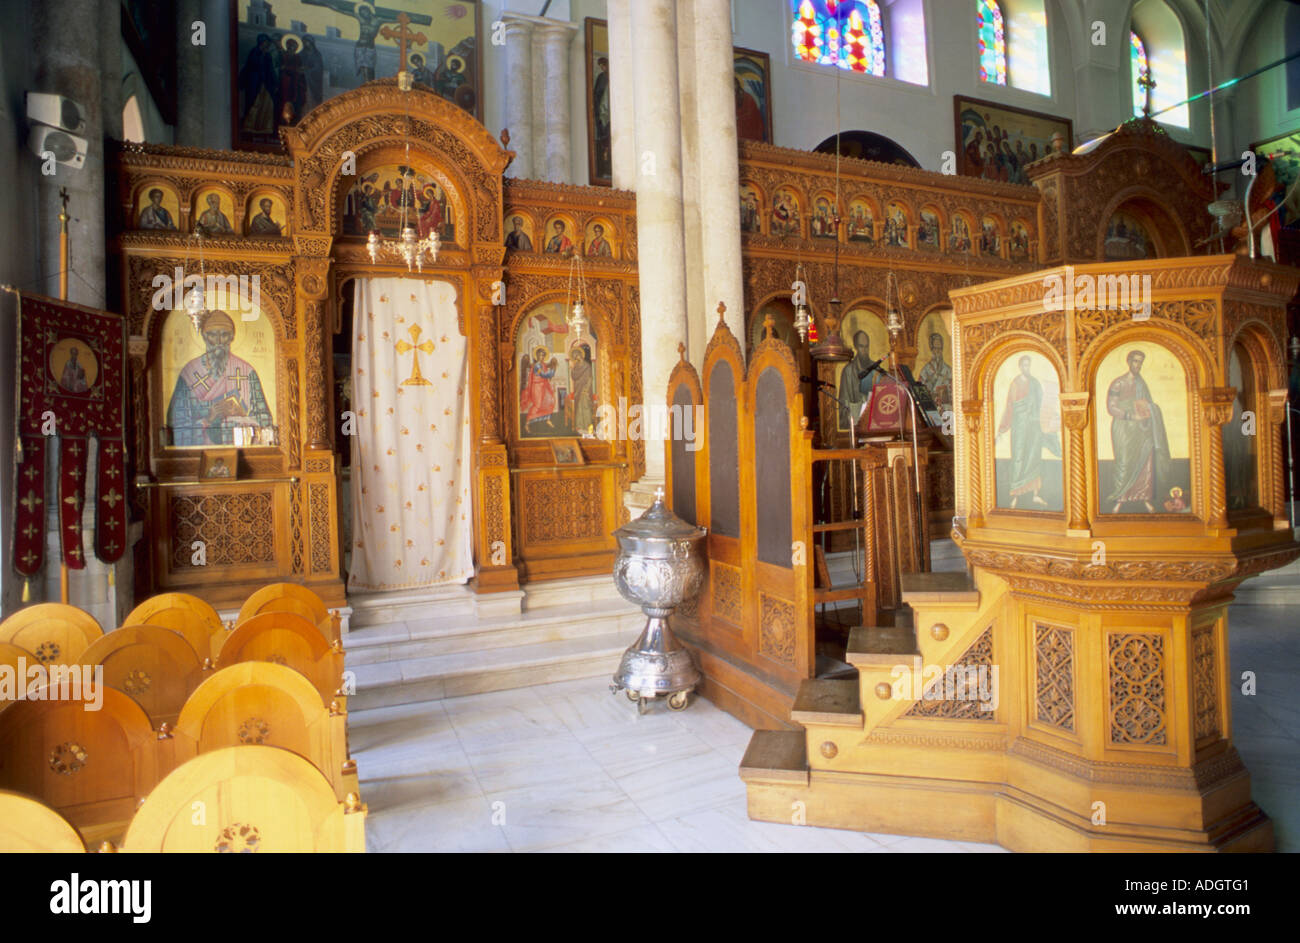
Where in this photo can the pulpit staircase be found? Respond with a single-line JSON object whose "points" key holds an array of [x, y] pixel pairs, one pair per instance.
{"points": [[852, 730]]}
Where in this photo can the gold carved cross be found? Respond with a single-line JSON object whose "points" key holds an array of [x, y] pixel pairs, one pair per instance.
{"points": [[403, 35], [414, 348]]}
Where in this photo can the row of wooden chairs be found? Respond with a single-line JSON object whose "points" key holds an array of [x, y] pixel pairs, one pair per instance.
{"points": [[94, 757], [248, 798], [58, 634], [177, 686]]}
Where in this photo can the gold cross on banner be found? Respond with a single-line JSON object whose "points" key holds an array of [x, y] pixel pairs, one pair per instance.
{"points": [[75, 449], [414, 348], [403, 35], [112, 498], [31, 500], [111, 547], [75, 553], [29, 531], [30, 472], [29, 558]]}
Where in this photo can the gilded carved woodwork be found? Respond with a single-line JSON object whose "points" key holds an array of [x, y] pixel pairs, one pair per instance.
{"points": [[938, 703], [1054, 676], [234, 529], [1205, 684], [1138, 705]]}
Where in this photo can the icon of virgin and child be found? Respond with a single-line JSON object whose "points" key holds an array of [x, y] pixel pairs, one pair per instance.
{"points": [[557, 396], [216, 391]]}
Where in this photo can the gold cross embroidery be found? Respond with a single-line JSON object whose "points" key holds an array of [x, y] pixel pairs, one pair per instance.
{"points": [[71, 499], [30, 472], [74, 449], [75, 553], [31, 500], [112, 498], [414, 348], [29, 558], [111, 547], [29, 531]]}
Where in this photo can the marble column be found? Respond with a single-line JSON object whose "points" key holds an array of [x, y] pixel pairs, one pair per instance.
{"points": [[622, 104], [519, 94], [189, 76], [662, 256], [696, 147], [719, 172], [553, 38]]}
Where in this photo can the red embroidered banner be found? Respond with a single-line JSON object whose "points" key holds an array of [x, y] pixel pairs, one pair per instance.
{"points": [[71, 378]]}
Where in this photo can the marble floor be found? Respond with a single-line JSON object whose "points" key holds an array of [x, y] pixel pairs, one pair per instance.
{"points": [[571, 767]]}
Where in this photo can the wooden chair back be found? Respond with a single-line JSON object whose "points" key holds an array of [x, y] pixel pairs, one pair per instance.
{"points": [[286, 639], [15, 660], [153, 664], [257, 798], [56, 634], [186, 615], [91, 758], [257, 702], [28, 825], [290, 597]]}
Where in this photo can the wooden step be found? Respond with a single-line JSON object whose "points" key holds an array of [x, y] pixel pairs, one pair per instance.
{"points": [[882, 645], [945, 589], [822, 701], [775, 756]]}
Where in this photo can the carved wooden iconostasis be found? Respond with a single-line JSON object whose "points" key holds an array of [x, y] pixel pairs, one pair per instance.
{"points": [[906, 238], [299, 223]]}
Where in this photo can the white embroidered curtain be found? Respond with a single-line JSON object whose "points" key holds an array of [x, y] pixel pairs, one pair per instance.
{"points": [[411, 513]]}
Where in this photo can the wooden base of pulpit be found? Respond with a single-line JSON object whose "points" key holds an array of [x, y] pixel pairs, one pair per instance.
{"points": [[1072, 692]]}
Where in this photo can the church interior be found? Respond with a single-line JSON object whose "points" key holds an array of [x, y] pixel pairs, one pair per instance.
{"points": [[650, 425]]}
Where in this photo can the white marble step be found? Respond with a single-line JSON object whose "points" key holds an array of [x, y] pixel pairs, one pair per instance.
{"points": [[461, 673], [400, 642]]}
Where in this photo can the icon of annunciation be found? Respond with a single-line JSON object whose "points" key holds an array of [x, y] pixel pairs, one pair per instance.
{"points": [[1027, 438], [219, 384], [1143, 457], [557, 381]]}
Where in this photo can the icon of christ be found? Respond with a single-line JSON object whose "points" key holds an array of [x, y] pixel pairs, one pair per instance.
{"points": [[216, 391]]}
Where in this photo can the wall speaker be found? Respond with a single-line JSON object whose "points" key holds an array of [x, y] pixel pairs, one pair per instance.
{"points": [[66, 148], [56, 111]]}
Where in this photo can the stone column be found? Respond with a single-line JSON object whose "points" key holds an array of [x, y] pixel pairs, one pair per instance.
{"points": [[696, 147], [67, 60], [519, 94], [189, 76], [622, 100], [662, 256], [553, 38], [719, 171]]}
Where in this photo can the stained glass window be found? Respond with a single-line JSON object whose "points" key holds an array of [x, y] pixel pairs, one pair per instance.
{"points": [[1141, 69], [992, 42], [847, 33]]}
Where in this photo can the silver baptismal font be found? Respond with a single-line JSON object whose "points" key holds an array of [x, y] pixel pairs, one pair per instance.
{"points": [[660, 565]]}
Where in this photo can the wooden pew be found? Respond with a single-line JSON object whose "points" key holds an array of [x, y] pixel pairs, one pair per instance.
{"points": [[251, 798], [290, 597], [154, 665], [257, 702], [92, 766], [186, 615], [56, 634], [29, 825], [287, 639]]}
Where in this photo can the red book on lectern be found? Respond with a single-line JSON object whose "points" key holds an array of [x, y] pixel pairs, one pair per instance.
{"points": [[885, 409]]}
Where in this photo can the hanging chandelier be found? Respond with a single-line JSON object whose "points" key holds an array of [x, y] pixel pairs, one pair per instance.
{"points": [[409, 246], [577, 317], [802, 320]]}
